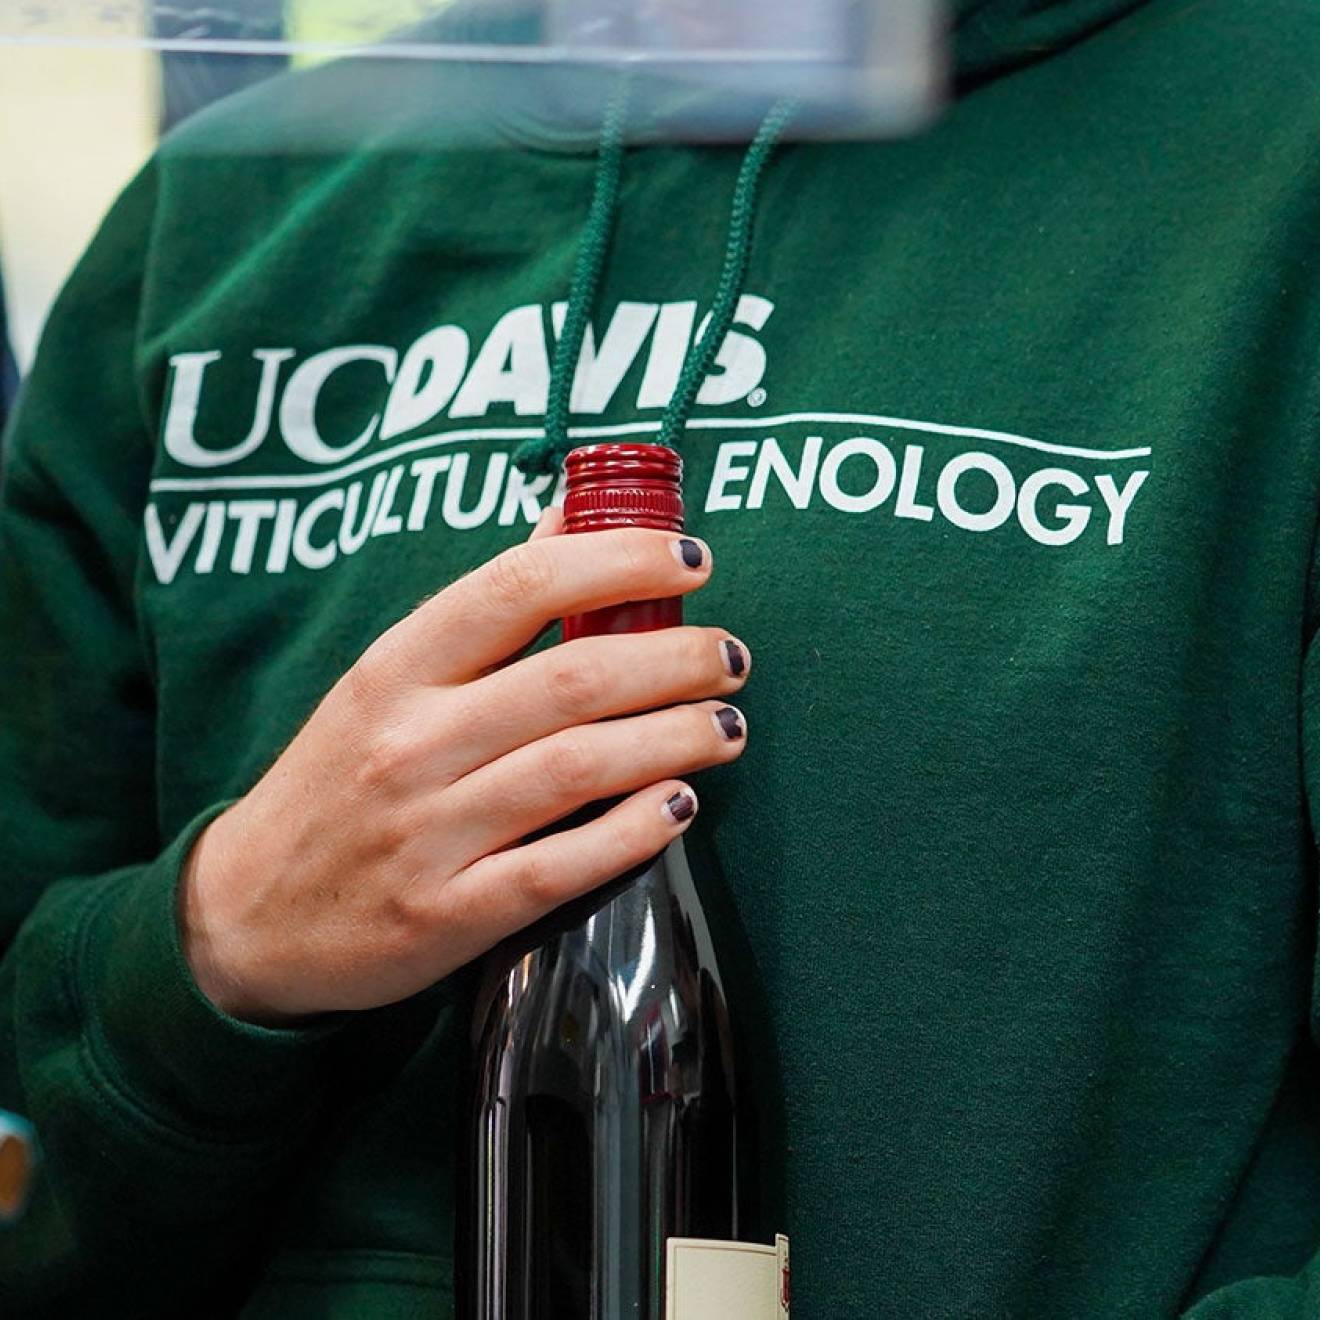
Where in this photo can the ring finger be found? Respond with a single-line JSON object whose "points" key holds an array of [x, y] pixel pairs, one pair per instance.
{"points": [[546, 780]]}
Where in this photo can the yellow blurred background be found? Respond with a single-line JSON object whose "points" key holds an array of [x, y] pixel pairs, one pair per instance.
{"points": [[76, 124], [74, 127]]}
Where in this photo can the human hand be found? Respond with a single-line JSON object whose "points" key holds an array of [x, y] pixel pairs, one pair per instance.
{"points": [[384, 848]]}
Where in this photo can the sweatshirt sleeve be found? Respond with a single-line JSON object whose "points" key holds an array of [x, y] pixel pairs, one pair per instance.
{"points": [[165, 1128]]}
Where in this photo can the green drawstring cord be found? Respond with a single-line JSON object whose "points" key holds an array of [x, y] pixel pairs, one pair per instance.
{"points": [[545, 454], [737, 253]]}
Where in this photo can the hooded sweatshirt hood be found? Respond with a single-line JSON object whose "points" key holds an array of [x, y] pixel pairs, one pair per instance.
{"points": [[994, 37]]}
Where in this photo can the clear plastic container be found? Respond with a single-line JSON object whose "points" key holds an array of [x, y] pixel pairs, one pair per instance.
{"points": [[857, 67]]}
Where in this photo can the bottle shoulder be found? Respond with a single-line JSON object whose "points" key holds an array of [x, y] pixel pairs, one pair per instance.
{"points": [[641, 949]]}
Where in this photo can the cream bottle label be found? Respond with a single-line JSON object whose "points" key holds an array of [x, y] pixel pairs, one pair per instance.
{"points": [[716, 1280]]}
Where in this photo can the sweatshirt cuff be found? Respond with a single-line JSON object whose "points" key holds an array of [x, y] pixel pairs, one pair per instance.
{"points": [[173, 1052]]}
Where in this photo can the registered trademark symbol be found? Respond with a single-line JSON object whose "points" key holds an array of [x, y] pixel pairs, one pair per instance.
{"points": [[756, 398]]}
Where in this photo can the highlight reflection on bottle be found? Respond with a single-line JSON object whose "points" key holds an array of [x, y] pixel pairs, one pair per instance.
{"points": [[617, 1148]]}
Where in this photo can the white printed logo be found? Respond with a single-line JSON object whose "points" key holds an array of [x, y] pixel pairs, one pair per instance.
{"points": [[425, 448], [439, 375]]}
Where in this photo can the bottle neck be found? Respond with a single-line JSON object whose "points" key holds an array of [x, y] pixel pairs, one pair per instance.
{"points": [[624, 485], [634, 617]]}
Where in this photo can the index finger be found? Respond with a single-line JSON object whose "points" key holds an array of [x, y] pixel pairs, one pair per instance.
{"points": [[496, 609]]}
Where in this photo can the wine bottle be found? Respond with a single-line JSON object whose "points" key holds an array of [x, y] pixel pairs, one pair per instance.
{"points": [[620, 1154]]}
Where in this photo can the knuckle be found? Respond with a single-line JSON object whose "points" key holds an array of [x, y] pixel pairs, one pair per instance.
{"points": [[637, 560], [410, 915], [574, 682], [368, 680], [570, 766], [625, 838], [701, 650], [385, 762], [518, 575], [534, 880]]}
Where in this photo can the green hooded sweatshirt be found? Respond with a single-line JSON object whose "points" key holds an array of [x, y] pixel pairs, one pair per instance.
{"points": [[1010, 467]]}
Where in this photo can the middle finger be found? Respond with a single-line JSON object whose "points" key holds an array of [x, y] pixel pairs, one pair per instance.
{"points": [[582, 681]]}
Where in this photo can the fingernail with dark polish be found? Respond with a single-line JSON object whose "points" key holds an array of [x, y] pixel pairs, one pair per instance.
{"points": [[730, 722], [691, 554], [735, 658], [682, 806]]}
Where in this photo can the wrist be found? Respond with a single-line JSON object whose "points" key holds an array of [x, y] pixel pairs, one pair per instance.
{"points": [[209, 935]]}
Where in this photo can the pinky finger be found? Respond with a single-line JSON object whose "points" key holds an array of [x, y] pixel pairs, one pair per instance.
{"points": [[520, 885]]}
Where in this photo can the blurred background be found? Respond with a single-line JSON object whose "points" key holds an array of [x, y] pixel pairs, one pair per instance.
{"points": [[75, 124]]}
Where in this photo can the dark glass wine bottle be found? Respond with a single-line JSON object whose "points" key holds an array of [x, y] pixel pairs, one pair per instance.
{"points": [[621, 1152]]}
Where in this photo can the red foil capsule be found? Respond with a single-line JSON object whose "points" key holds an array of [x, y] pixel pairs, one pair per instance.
{"points": [[624, 485]]}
